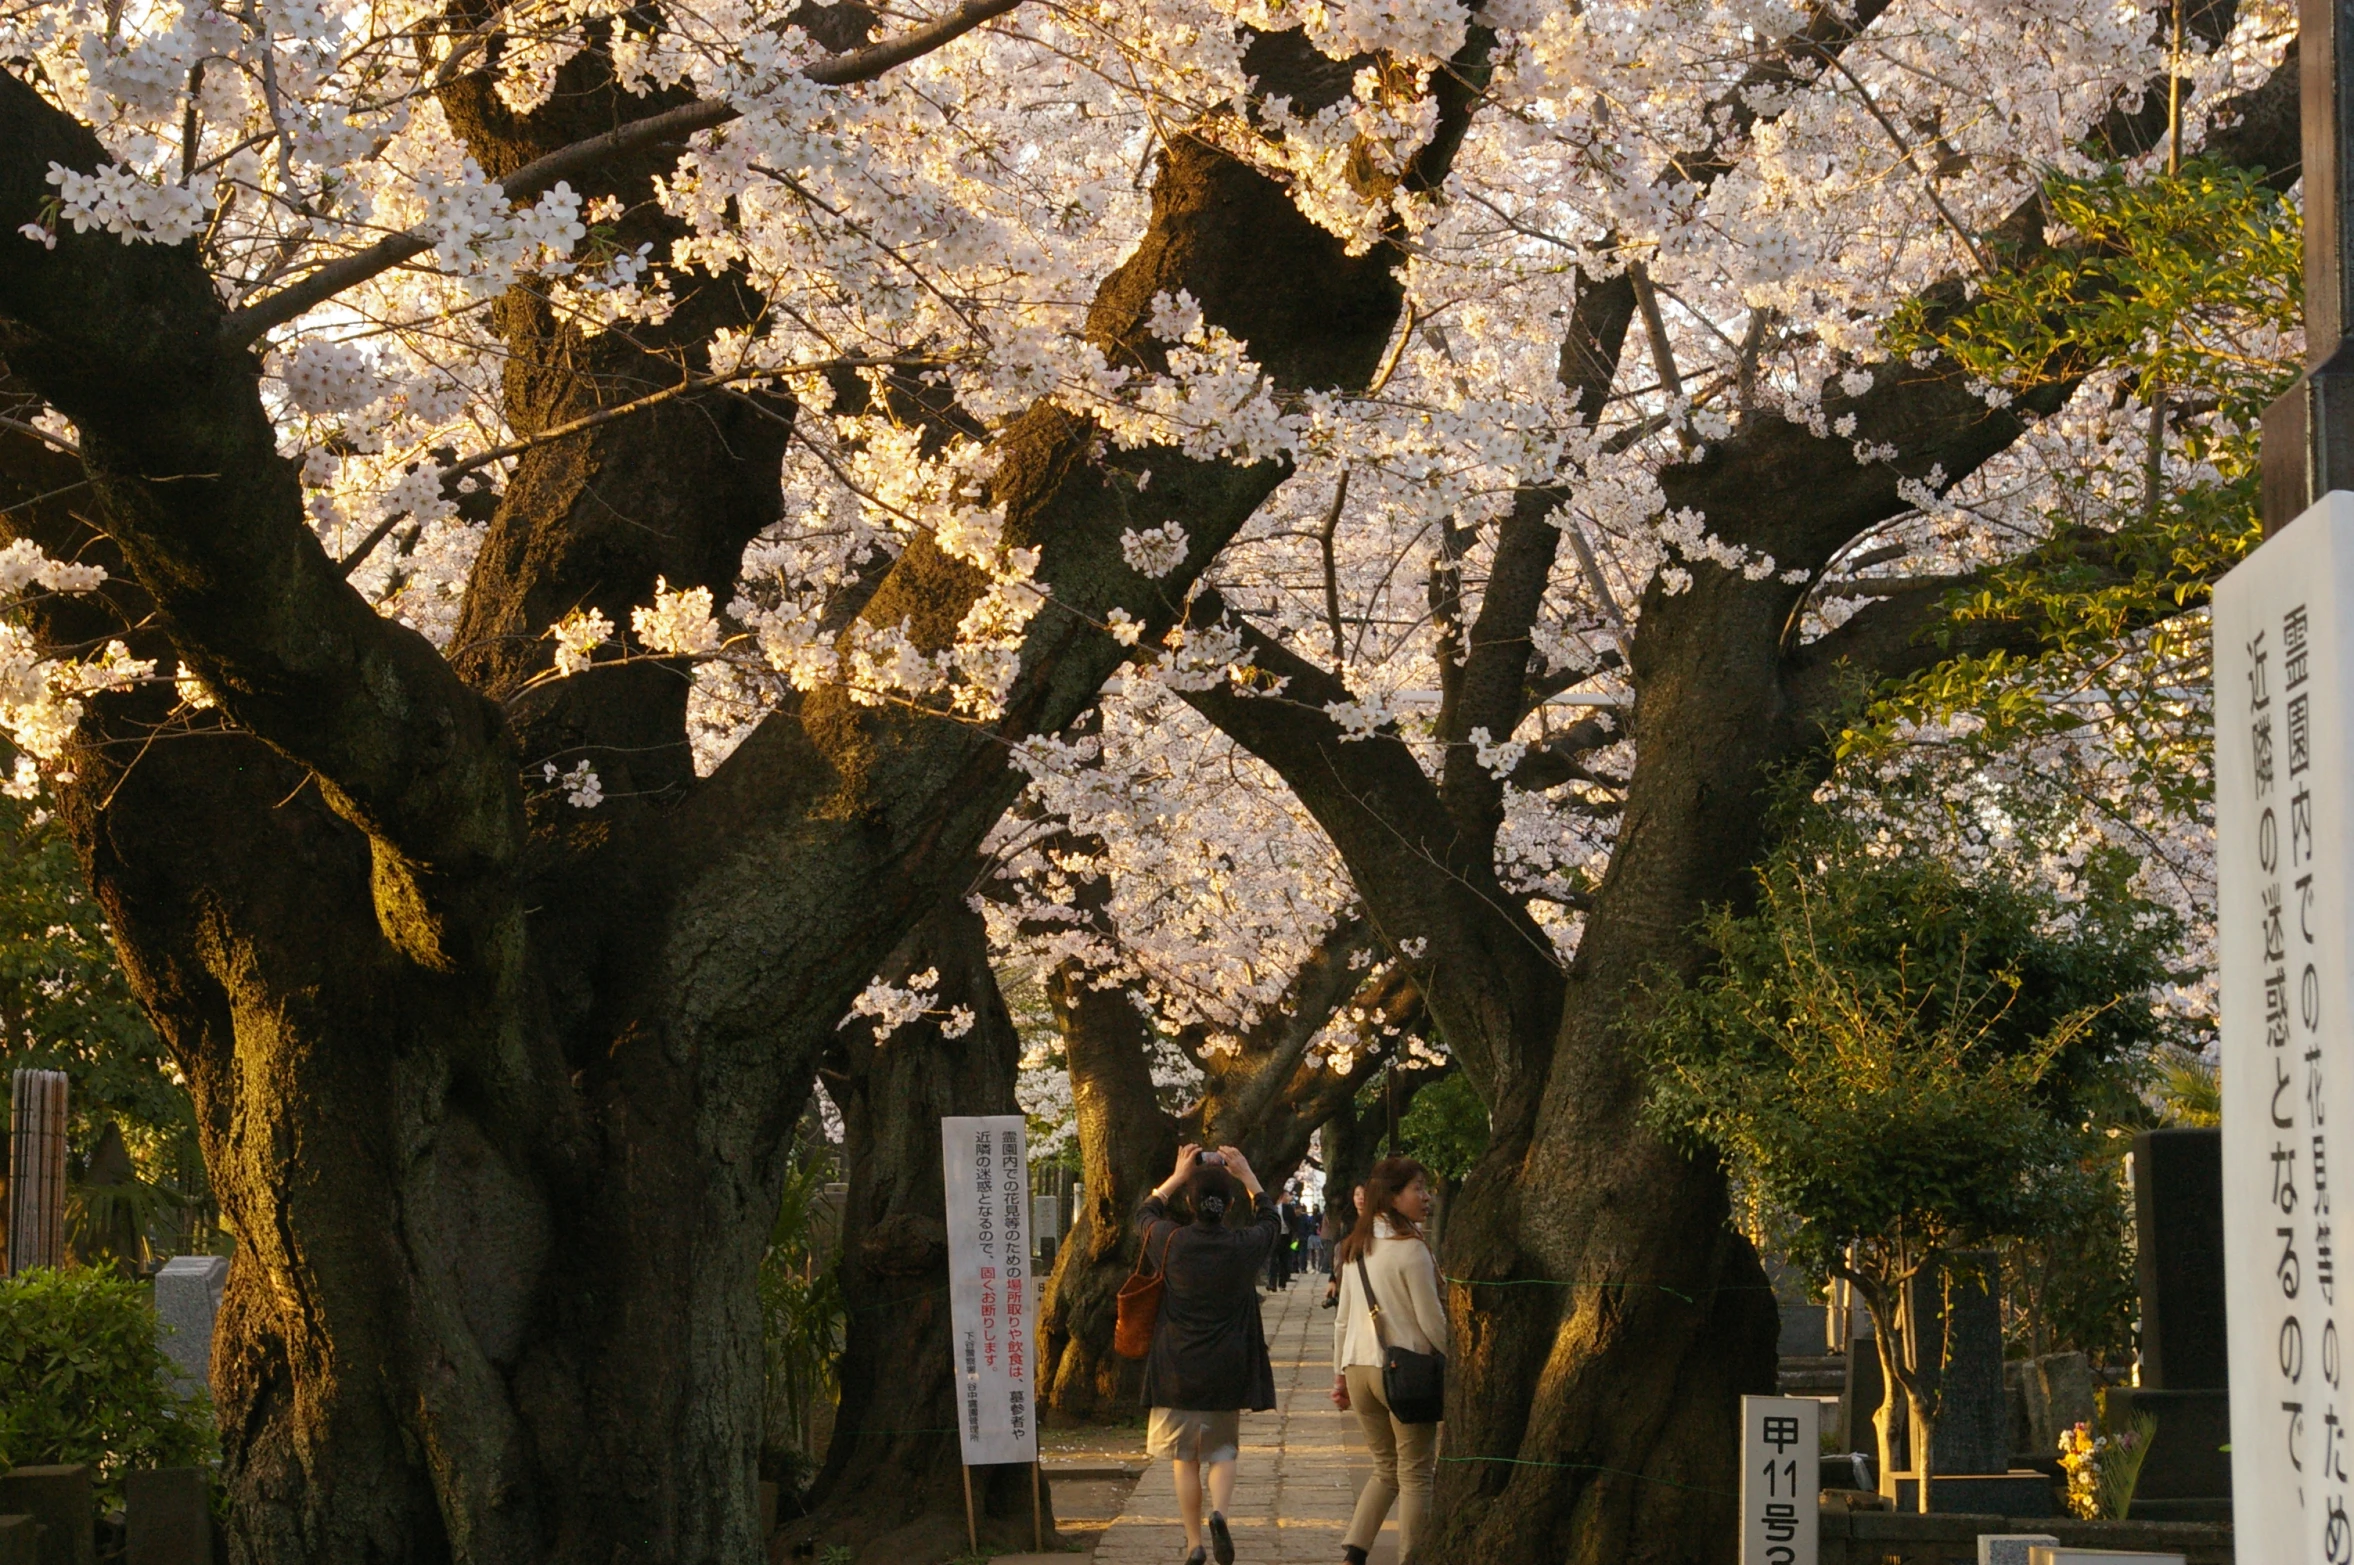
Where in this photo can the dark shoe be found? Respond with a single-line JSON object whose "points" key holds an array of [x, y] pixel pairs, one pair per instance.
{"points": [[1221, 1540], [1197, 1557], [1350, 1554]]}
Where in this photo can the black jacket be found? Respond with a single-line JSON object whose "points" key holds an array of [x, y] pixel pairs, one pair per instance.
{"points": [[1209, 1349]]}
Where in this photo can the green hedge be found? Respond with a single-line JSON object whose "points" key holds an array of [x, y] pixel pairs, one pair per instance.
{"points": [[82, 1379]]}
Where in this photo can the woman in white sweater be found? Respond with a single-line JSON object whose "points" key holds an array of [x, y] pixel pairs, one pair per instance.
{"points": [[1405, 1276]]}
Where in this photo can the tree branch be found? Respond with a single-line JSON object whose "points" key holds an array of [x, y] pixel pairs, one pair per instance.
{"points": [[124, 340], [1486, 971], [250, 323]]}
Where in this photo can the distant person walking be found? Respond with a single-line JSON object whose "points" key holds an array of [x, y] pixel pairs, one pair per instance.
{"points": [[1209, 1347], [1405, 1278], [1282, 1260]]}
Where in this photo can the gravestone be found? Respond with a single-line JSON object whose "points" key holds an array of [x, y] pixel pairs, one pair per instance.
{"points": [[1859, 1397], [1972, 1433], [2059, 1397], [20, 1541], [187, 1298], [1961, 1355], [167, 1515], [1802, 1331], [2178, 1220], [36, 1169], [1045, 1227], [2010, 1548], [59, 1501]]}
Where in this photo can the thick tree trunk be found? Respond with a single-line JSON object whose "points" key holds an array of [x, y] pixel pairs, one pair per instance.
{"points": [[891, 1485], [1126, 1144], [1628, 1360]]}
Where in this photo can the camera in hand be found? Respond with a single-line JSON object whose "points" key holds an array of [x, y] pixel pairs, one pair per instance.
{"points": [[1211, 1159]]}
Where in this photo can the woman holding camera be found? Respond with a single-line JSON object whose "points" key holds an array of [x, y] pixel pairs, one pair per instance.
{"points": [[1209, 1349], [1387, 1249]]}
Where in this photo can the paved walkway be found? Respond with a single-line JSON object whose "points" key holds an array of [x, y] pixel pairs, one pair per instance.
{"points": [[1296, 1481]]}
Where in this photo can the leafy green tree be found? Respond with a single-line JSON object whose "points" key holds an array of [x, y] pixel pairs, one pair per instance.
{"points": [[64, 1005], [1446, 1129], [1908, 1062], [82, 1379]]}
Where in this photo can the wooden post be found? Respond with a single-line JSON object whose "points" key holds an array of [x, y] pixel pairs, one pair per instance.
{"points": [[36, 1176], [972, 1538], [1037, 1512], [2309, 433]]}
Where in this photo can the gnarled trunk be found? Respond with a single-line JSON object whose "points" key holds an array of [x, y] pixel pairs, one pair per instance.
{"points": [[1126, 1146], [890, 1485]]}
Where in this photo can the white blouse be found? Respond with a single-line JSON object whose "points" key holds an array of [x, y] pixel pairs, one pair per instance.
{"points": [[1406, 1280]]}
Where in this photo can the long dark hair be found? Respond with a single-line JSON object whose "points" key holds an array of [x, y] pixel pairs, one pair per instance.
{"points": [[1383, 1186]]}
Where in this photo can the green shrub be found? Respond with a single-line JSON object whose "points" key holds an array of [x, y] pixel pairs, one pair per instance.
{"points": [[82, 1379]]}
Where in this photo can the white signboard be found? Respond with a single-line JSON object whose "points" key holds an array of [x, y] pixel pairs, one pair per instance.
{"points": [[1781, 1476], [986, 1160], [2284, 760]]}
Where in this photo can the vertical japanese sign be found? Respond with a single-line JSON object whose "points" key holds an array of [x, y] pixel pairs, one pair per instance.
{"points": [[986, 1161], [2284, 651], [1781, 1475]]}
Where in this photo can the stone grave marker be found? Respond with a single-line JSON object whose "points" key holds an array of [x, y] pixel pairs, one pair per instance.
{"points": [[60, 1502], [167, 1515], [187, 1298], [1961, 1350], [2010, 1548], [2178, 1221], [36, 1169], [2059, 1397], [20, 1541]]}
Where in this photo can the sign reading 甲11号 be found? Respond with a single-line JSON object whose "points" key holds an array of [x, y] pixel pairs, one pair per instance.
{"points": [[1781, 1474], [2284, 655], [986, 1161]]}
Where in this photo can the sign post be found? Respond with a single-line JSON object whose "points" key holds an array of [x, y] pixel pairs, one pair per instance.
{"points": [[985, 1161], [1781, 1477], [2284, 790], [2309, 432]]}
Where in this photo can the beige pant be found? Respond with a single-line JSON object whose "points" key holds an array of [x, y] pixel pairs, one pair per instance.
{"points": [[1405, 1456]]}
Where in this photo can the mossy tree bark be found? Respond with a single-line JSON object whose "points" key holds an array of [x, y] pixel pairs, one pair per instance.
{"points": [[495, 1091]]}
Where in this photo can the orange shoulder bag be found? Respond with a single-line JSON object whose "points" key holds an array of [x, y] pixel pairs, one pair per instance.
{"points": [[1139, 1304]]}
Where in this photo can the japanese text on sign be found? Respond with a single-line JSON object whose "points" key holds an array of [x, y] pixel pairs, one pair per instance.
{"points": [[985, 1160], [2281, 776], [1780, 1475]]}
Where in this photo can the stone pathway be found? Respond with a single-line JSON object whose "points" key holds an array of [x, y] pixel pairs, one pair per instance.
{"points": [[1296, 1481]]}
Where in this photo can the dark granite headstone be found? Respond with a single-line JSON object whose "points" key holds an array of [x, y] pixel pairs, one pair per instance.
{"points": [[168, 1517], [1859, 1398], [2178, 1212], [59, 1499], [2178, 1216], [1960, 1310], [2187, 1475]]}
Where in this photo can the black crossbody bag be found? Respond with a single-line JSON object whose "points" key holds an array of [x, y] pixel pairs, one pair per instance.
{"points": [[1413, 1384]]}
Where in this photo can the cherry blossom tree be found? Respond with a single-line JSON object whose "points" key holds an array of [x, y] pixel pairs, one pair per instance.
{"points": [[551, 536], [497, 1006]]}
